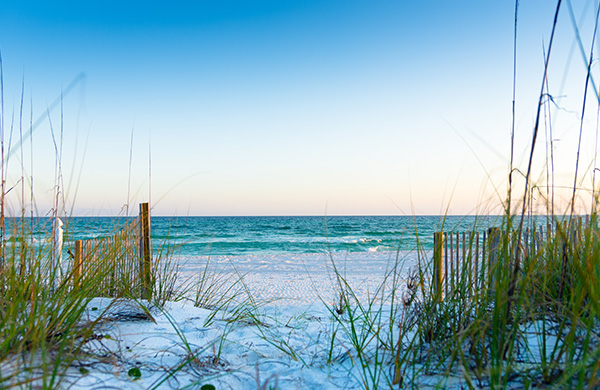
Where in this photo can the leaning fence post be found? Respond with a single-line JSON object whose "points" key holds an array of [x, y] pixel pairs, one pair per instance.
{"points": [[438, 271], [77, 264], [145, 251]]}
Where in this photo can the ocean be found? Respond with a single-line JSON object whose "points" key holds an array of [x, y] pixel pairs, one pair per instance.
{"points": [[265, 235], [290, 259], [238, 236]]}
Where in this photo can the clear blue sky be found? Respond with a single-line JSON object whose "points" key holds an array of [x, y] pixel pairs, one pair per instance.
{"points": [[284, 108]]}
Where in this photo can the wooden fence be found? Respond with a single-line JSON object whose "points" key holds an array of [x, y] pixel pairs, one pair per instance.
{"points": [[463, 261], [123, 260]]}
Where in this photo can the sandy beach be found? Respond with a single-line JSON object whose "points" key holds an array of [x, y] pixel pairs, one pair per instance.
{"points": [[284, 341], [300, 279]]}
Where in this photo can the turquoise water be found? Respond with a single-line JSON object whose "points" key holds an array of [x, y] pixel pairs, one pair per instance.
{"points": [[234, 236], [202, 236]]}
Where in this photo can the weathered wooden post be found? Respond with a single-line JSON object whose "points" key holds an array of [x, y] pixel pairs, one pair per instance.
{"points": [[467, 269], [493, 245], [145, 251], [476, 281], [446, 267], [438, 265], [450, 271], [484, 260], [77, 264]]}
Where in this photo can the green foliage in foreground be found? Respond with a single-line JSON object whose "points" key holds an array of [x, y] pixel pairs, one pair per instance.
{"points": [[42, 322], [536, 323], [530, 320]]}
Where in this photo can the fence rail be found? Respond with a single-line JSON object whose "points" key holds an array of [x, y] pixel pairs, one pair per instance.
{"points": [[123, 260]]}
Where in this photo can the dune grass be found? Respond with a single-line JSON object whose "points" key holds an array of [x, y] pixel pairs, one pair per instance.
{"points": [[543, 332], [532, 321], [42, 328]]}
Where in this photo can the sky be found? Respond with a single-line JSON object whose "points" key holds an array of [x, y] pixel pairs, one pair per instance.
{"points": [[288, 108]]}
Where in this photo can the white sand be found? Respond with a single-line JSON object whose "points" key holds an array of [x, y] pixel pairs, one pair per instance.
{"points": [[305, 279], [184, 346]]}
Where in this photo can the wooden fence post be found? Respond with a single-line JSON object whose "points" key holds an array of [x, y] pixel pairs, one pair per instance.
{"points": [[476, 272], [438, 265], [493, 246], [145, 251], [450, 271], [77, 264], [446, 267]]}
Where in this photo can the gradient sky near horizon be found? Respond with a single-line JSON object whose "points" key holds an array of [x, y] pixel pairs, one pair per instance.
{"points": [[285, 108]]}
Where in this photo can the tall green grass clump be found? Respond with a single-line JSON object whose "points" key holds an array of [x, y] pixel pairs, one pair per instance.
{"points": [[43, 326], [532, 320], [372, 336], [536, 327], [43, 300], [41, 312], [529, 317]]}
